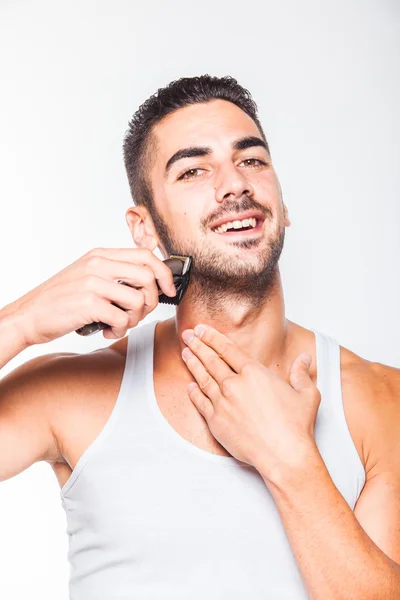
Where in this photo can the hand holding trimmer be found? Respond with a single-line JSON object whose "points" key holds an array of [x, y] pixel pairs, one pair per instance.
{"points": [[87, 295], [180, 267]]}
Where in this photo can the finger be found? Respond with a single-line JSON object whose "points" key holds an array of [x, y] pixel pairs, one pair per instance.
{"points": [[145, 282], [201, 402], [206, 383], [139, 256], [128, 296], [213, 363], [226, 349], [299, 374]]}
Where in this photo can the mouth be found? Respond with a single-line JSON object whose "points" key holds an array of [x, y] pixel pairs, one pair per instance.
{"points": [[244, 232]]}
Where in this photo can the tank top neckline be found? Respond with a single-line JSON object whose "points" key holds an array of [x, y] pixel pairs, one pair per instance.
{"points": [[147, 342]]}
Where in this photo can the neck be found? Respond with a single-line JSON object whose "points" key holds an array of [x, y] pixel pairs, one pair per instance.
{"points": [[262, 331]]}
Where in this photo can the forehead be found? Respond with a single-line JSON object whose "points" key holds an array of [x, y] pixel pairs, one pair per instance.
{"points": [[208, 124]]}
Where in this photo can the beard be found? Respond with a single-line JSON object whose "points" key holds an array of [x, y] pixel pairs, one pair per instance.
{"points": [[240, 274]]}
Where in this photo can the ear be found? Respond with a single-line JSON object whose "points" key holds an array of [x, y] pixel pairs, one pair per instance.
{"points": [[285, 208], [141, 227], [286, 215]]}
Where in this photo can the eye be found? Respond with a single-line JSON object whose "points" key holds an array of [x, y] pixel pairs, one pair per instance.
{"points": [[257, 160], [190, 174]]}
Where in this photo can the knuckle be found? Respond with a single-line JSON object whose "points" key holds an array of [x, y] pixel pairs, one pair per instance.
{"points": [[94, 252], [136, 305], [136, 298], [224, 348], [213, 363], [205, 382], [147, 252], [227, 385], [148, 275], [225, 405], [201, 403], [93, 262], [209, 333], [123, 320], [89, 299], [248, 367], [147, 308], [218, 420], [89, 283]]}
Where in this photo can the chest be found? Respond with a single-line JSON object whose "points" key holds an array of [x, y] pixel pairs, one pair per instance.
{"points": [[85, 420], [162, 525], [87, 414], [180, 413]]}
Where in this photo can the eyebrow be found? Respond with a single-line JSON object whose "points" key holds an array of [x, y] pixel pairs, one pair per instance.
{"points": [[241, 144]]}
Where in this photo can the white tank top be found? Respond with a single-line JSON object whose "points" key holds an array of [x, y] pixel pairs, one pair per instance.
{"points": [[150, 516]]}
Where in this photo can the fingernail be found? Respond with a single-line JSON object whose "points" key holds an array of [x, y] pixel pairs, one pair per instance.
{"points": [[172, 290], [187, 336], [199, 330], [186, 353]]}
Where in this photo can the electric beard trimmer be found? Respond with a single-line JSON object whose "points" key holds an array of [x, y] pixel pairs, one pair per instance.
{"points": [[180, 267]]}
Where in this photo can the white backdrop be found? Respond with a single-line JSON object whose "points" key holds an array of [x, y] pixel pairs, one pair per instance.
{"points": [[325, 78]]}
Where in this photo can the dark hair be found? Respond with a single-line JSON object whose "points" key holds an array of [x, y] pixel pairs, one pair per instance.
{"points": [[137, 145]]}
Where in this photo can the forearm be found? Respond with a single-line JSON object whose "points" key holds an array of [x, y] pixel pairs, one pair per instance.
{"points": [[337, 559], [12, 340]]}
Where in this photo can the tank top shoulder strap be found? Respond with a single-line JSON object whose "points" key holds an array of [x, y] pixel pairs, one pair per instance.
{"points": [[124, 414], [331, 414], [140, 350], [327, 352]]}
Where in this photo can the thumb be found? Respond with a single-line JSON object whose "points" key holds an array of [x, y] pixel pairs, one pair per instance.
{"points": [[299, 374]]}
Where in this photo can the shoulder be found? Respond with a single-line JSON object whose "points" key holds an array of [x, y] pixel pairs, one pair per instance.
{"points": [[371, 398], [80, 378], [64, 370], [71, 391], [49, 395], [72, 367], [381, 382], [87, 389]]}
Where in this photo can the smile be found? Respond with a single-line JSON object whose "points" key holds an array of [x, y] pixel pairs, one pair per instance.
{"points": [[241, 232]]}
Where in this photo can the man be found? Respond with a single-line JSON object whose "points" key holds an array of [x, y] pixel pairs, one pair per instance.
{"points": [[277, 474]]}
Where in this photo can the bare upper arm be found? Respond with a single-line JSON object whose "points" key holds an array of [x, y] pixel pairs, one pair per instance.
{"points": [[378, 507], [26, 397]]}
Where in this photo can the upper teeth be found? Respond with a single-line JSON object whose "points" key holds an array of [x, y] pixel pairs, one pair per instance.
{"points": [[236, 225]]}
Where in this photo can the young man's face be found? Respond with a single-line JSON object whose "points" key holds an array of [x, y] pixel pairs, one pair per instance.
{"points": [[192, 193]]}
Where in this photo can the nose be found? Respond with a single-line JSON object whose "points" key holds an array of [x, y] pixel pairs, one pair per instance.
{"points": [[232, 182]]}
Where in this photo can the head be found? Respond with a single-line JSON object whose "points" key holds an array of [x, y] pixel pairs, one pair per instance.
{"points": [[195, 154]]}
